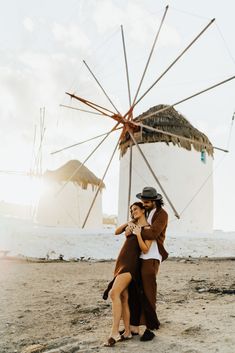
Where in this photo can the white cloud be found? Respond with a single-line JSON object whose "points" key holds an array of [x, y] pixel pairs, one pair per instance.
{"points": [[106, 15], [28, 24], [140, 25], [41, 81], [71, 36]]}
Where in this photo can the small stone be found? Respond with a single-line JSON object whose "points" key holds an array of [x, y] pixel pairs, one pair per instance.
{"points": [[202, 290], [34, 348]]}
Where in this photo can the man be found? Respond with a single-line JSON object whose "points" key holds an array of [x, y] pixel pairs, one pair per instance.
{"points": [[157, 218]]}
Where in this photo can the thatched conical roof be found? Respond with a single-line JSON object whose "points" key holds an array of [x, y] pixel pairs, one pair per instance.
{"points": [[171, 121], [83, 176]]}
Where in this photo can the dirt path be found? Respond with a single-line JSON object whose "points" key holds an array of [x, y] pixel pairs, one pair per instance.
{"points": [[57, 307]]}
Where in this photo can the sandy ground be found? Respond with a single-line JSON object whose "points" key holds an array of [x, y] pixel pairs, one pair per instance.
{"points": [[57, 307]]}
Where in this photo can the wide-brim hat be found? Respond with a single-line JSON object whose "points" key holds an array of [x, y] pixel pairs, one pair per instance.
{"points": [[149, 193]]}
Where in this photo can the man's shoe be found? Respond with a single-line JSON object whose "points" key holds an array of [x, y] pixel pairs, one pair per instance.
{"points": [[147, 336]]}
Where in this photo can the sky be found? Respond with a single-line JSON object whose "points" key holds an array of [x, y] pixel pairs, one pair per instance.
{"points": [[43, 45]]}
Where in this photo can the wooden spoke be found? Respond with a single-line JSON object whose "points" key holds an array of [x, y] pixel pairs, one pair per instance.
{"points": [[81, 142], [190, 97], [99, 84], [129, 118], [99, 186], [178, 136], [172, 64], [129, 184], [153, 174], [81, 110], [126, 66], [92, 105], [150, 55], [81, 165]]}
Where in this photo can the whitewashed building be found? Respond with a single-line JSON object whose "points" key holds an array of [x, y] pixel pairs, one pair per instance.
{"points": [[69, 206], [183, 168]]}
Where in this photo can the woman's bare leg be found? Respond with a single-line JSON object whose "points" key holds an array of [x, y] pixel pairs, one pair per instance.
{"points": [[120, 284], [125, 312]]}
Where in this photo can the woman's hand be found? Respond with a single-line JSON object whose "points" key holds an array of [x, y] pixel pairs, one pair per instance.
{"points": [[136, 230]]}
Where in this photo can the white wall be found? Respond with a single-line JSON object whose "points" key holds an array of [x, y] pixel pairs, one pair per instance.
{"points": [[182, 174], [69, 207], [24, 238]]}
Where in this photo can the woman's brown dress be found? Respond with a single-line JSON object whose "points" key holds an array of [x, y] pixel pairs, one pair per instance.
{"points": [[128, 258], [128, 261]]}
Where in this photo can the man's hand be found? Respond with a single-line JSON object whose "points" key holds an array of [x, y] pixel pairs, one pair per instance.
{"points": [[129, 229]]}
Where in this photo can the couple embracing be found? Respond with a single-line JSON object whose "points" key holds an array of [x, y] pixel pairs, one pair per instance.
{"points": [[133, 289]]}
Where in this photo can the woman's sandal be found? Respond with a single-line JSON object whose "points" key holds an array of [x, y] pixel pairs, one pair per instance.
{"points": [[126, 338], [111, 341], [132, 333]]}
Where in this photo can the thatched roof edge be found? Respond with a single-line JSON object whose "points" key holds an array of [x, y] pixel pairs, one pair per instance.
{"points": [[83, 176], [170, 121]]}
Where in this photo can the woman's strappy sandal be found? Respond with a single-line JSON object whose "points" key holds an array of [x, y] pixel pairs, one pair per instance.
{"points": [[112, 341], [126, 338]]}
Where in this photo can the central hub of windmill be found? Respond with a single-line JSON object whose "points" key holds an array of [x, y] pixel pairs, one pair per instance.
{"points": [[126, 121], [127, 124]]}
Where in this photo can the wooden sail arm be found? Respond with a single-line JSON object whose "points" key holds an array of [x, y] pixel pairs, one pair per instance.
{"points": [[87, 158], [81, 110], [153, 174], [84, 141], [101, 87], [92, 105], [173, 63], [99, 186], [151, 53]]}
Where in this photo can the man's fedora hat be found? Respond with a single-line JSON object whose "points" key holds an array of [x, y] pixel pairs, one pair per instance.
{"points": [[149, 193]]}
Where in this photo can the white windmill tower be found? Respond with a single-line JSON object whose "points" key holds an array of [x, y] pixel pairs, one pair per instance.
{"points": [[132, 130]]}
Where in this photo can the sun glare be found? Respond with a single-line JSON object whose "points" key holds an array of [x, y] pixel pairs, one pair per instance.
{"points": [[18, 189]]}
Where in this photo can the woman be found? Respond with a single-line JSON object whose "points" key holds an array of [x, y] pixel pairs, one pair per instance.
{"points": [[126, 271]]}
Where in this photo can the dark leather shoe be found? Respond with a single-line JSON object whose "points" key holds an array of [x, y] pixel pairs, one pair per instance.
{"points": [[147, 336]]}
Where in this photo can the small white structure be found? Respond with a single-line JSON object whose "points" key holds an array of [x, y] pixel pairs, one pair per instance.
{"points": [[70, 206], [183, 168]]}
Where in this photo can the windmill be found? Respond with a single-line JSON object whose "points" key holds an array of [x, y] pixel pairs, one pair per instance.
{"points": [[126, 122], [32, 177], [37, 153]]}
